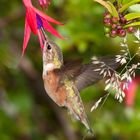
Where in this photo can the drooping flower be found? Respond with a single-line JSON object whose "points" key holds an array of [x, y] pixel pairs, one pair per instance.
{"points": [[131, 92], [36, 20], [44, 3]]}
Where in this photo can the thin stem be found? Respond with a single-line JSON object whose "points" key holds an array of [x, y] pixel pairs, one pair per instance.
{"points": [[127, 64], [105, 96], [124, 41], [128, 52]]}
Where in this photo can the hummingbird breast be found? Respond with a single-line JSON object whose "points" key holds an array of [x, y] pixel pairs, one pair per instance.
{"points": [[53, 88]]}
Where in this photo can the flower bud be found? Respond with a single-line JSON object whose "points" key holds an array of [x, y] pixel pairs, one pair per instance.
{"points": [[44, 3]]}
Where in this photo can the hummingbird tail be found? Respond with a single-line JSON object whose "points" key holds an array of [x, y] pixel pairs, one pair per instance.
{"points": [[89, 129]]}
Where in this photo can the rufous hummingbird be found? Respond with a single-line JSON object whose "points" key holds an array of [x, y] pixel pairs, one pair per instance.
{"points": [[64, 82]]}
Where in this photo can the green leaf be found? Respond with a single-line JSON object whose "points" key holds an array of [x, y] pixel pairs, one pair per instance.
{"points": [[125, 6], [125, 1], [134, 8], [113, 9], [132, 24], [119, 2], [131, 16], [105, 4], [109, 6]]}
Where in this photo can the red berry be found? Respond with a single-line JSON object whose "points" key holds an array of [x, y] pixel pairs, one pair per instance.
{"points": [[120, 15], [119, 27], [113, 26], [107, 15], [123, 20], [107, 21], [121, 32], [113, 33], [130, 29], [115, 19]]}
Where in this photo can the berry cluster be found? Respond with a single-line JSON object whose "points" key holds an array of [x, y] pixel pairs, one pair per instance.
{"points": [[114, 25]]}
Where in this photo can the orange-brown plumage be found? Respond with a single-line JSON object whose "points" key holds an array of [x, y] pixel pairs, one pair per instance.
{"points": [[56, 92]]}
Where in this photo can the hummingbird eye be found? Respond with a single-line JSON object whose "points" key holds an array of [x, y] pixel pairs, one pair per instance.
{"points": [[49, 47]]}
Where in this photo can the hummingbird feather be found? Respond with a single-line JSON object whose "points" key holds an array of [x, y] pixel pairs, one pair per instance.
{"points": [[85, 75], [88, 74]]}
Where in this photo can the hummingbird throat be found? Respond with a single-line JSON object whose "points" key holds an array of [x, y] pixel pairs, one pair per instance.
{"points": [[48, 67]]}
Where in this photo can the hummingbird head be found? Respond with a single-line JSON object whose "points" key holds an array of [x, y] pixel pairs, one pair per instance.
{"points": [[52, 55]]}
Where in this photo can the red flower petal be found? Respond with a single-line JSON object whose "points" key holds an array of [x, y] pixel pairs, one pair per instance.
{"points": [[33, 23], [46, 17], [27, 33], [31, 18], [50, 29], [27, 3]]}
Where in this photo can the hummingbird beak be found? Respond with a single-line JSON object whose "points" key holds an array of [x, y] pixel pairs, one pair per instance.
{"points": [[44, 39], [44, 36]]}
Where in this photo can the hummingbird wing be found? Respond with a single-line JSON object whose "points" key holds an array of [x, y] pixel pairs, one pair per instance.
{"points": [[72, 69], [89, 75], [85, 75]]}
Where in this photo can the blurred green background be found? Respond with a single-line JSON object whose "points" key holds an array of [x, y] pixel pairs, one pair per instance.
{"points": [[26, 112]]}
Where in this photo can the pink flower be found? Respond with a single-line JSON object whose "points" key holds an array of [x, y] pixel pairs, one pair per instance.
{"points": [[44, 3], [131, 92], [36, 20]]}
